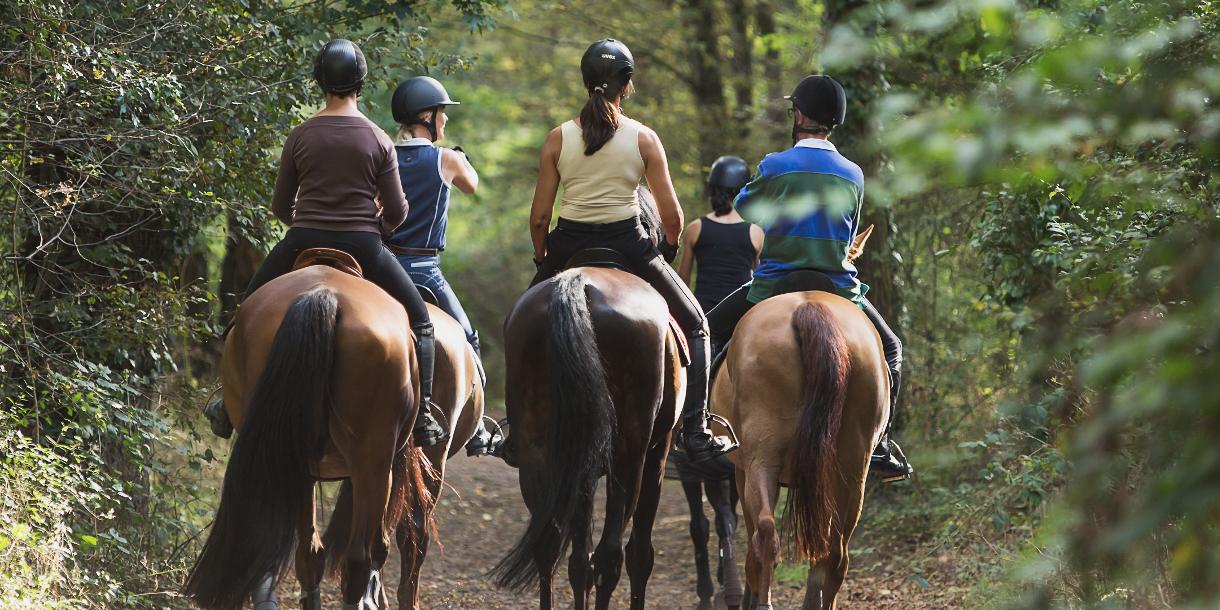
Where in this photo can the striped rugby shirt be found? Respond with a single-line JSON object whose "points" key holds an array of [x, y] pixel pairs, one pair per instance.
{"points": [[808, 200]]}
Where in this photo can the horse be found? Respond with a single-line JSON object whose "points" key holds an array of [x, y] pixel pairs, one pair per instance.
{"points": [[805, 385], [714, 478], [594, 386], [458, 395], [319, 378]]}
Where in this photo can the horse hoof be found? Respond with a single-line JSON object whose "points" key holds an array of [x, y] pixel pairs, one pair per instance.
{"points": [[705, 604]]}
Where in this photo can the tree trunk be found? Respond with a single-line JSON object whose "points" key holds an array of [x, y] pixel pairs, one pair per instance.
{"points": [[743, 67], [240, 262], [707, 83]]}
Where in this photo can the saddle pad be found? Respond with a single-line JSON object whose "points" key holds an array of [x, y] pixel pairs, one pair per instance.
{"points": [[329, 257], [683, 347]]}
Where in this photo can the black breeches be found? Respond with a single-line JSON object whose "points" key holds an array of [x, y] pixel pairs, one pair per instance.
{"points": [[379, 265]]}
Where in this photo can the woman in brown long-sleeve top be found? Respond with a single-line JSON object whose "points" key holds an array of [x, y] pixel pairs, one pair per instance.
{"points": [[335, 168]]}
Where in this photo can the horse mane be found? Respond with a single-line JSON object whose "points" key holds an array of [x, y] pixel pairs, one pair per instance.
{"points": [[649, 216]]}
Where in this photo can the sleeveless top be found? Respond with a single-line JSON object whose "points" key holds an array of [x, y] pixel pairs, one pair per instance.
{"points": [[724, 256], [419, 167], [600, 188]]}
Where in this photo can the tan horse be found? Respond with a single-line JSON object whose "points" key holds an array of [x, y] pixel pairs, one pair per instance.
{"points": [[319, 378], [806, 386]]}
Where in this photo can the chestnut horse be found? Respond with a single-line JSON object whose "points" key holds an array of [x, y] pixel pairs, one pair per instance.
{"points": [[319, 378], [458, 398], [593, 388], [806, 386]]}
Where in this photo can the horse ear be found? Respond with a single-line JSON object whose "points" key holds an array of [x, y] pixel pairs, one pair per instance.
{"points": [[857, 245]]}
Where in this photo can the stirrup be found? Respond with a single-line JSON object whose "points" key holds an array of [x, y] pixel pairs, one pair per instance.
{"points": [[712, 417], [894, 464], [423, 434], [495, 436]]}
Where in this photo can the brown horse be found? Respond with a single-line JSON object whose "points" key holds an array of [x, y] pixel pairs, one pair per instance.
{"points": [[593, 388], [458, 397], [806, 386], [318, 375]]}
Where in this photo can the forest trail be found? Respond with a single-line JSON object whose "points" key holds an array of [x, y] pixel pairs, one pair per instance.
{"points": [[481, 514]]}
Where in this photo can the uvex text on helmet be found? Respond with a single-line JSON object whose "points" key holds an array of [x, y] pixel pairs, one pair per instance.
{"points": [[416, 95], [340, 67], [820, 98], [729, 172], [606, 66]]}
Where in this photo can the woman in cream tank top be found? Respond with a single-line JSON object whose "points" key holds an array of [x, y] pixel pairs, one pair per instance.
{"points": [[600, 159]]}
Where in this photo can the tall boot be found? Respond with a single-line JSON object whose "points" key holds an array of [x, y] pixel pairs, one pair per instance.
{"points": [[215, 410], [478, 357], [888, 462], [427, 431], [697, 440]]}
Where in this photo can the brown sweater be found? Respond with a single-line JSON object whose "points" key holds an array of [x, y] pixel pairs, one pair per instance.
{"points": [[331, 171]]}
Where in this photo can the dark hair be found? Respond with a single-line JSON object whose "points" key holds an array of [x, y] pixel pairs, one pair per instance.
{"points": [[814, 127], [599, 119], [721, 199]]}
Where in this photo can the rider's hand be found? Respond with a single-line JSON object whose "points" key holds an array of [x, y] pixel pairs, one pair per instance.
{"points": [[537, 264], [668, 250]]}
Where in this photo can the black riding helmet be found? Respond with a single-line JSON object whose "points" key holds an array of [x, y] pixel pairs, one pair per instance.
{"points": [[729, 172], [416, 95], [339, 67], [820, 98], [607, 66]]}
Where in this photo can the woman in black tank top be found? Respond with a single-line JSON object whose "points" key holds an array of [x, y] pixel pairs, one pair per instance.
{"points": [[723, 245]]}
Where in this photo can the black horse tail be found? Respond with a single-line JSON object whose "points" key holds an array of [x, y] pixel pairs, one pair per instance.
{"points": [[265, 497], [810, 514], [582, 429]]}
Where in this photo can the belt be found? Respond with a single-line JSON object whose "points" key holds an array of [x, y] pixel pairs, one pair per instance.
{"points": [[414, 251], [597, 227]]}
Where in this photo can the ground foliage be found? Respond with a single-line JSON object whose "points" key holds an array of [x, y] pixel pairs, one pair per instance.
{"points": [[1044, 172]]}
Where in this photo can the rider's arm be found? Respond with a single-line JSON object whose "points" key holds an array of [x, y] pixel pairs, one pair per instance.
{"points": [[544, 192], [689, 237], [389, 188], [286, 183], [456, 169], [756, 238], [656, 171]]}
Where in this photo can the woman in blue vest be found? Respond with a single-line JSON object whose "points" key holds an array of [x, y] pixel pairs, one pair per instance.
{"points": [[428, 175]]}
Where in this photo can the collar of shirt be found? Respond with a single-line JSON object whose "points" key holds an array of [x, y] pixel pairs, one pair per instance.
{"points": [[816, 143], [413, 142]]}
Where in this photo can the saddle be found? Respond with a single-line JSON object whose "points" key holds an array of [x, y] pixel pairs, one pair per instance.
{"points": [[609, 258], [328, 257]]}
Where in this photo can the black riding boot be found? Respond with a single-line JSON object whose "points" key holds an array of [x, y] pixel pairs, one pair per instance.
{"points": [[888, 462], [483, 442], [697, 440], [427, 431]]}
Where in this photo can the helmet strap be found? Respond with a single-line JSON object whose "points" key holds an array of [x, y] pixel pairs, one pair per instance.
{"points": [[430, 124]]}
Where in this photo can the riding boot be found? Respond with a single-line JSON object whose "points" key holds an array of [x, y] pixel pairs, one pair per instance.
{"points": [[215, 410], [888, 462], [427, 431], [697, 440], [264, 597], [478, 358]]}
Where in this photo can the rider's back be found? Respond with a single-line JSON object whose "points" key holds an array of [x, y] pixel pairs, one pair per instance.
{"points": [[600, 188]]}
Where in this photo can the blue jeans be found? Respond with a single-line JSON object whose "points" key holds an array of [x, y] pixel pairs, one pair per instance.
{"points": [[425, 271]]}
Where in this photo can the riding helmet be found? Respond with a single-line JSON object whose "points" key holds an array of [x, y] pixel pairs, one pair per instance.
{"points": [[340, 67], [606, 66], [416, 95], [729, 172], [820, 98]]}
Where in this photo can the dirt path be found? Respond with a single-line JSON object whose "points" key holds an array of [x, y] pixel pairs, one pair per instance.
{"points": [[482, 514]]}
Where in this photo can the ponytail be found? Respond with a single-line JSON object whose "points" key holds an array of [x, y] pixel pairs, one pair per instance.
{"points": [[599, 119], [721, 199]]}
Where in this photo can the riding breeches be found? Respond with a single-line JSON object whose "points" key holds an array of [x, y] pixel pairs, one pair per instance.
{"points": [[426, 271], [378, 264]]}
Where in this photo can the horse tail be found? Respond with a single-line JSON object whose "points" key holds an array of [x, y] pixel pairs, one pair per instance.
{"points": [[811, 514], [582, 428], [264, 497]]}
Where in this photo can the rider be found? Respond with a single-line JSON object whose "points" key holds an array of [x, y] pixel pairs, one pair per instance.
{"points": [[338, 187], [600, 159], [428, 172], [723, 244], [820, 238]]}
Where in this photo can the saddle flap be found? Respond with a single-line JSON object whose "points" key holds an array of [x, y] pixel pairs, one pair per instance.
{"points": [[428, 295], [680, 339], [600, 257], [330, 257]]}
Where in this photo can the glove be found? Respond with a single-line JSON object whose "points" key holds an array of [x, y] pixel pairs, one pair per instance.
{"points": [[468, 159], [537, 264], [668, 251]]}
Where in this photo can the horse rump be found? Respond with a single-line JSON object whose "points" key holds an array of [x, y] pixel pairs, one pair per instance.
{"points": [[264, 497], [810, 514]]}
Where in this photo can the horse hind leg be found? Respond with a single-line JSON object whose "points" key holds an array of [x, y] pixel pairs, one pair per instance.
{"points": [[761, 495], [311, 557], [608, 558], [370, 494], [640, 551], [699, 538], [720, 495], [580, 568]]}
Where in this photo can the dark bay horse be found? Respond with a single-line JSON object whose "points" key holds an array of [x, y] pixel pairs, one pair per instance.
{"points": [[806, 386], [318, 376], [593, 388], [459, 399], [715, 478]]}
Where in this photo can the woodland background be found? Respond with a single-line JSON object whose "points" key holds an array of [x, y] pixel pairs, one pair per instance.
{"points": [[1042, 174]]}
